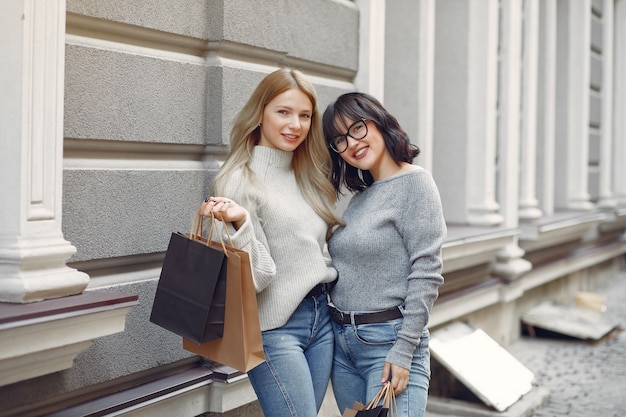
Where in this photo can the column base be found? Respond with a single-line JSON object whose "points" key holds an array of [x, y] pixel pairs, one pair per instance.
{"points": [[43, 285], [35, 270], [509, 263]]}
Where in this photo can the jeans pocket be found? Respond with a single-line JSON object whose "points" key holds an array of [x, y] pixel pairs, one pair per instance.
{"points": [[378, 334]]}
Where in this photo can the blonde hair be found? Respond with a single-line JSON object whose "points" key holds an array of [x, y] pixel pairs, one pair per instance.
{"points": [[311, 161]]}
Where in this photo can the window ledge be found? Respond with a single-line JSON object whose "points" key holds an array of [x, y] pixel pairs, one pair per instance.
{"points": [[556, 230], [615, 221], [468, 246], [231, 389], [192, 392], [44, 337]]}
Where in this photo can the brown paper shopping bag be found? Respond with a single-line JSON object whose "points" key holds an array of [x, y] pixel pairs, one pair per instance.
{"points": [[241, 347]]}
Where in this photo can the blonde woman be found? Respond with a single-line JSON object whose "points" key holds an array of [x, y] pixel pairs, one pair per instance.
{"points": [[274, 194]]}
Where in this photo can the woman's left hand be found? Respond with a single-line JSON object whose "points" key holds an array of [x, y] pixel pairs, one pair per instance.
{"points": [[399, 377], [224, 209]]}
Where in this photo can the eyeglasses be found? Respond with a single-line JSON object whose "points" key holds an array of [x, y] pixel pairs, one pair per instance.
{"points": [[357, 130]]}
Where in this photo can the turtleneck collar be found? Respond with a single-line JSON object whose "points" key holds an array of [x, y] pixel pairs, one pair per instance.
{"points": [[272, 157]]}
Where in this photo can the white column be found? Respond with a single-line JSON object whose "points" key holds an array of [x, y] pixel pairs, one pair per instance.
{"points": [[546, 106], [509, 263], [619, 108], [33, 252], [371, 76], [426, 81], [465, 110], [528, 204], [574, 51], [482, 84], [410, 70], [606, 197]]}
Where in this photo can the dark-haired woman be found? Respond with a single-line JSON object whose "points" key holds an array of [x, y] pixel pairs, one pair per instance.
{"points": [[388, 256]]}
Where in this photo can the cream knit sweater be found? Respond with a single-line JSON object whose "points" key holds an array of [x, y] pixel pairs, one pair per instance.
{"points": [[284, 236]]}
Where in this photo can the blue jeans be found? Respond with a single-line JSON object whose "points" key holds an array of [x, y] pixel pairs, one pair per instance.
{"points": [[298, 359], [360, 353]]}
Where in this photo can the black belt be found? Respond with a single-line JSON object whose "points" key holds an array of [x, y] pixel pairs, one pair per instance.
{"points": [[365, 318], [320, 289]]}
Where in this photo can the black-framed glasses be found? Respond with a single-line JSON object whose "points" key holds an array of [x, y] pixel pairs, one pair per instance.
{"points": [[357, 130]]}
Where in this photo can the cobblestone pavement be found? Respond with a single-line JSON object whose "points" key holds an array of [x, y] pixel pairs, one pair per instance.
{"points": [[584, 379]]}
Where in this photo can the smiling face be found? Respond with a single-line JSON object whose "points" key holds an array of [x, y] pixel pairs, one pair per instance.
{"points": [[286, 120], [369, 153]]}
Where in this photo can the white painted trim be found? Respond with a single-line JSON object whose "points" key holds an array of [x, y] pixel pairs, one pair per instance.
{"points": [[546, 106], [482, 298], [619, 104], [33, 251], [606, 197], [481, 107], [426, 82], [528, 203], [572, 188], [41, 346], [509, 110], [371, 75]]}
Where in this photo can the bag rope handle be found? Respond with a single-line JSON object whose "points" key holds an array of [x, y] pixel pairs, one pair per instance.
{"points": [[388, 398], [198, 230], [380, 395]]}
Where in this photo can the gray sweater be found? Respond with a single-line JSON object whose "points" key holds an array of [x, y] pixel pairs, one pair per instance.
{"points": [[286, 239], [389, 254]]}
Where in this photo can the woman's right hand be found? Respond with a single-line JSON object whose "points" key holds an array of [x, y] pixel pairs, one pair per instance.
{"points": [[224, 209], [397, 376]]}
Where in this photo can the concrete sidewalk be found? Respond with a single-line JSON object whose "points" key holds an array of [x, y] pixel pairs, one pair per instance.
{"points": [[572, 377]]}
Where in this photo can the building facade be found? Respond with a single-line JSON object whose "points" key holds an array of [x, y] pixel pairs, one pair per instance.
{"points": [[115, 117]]}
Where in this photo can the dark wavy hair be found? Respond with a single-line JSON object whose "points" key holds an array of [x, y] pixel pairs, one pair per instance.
{"points": [[347, 109]]}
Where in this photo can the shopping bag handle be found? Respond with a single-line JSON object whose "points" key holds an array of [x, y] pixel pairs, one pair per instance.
{"points": [[198, 230], [385, 395], [378, 397], [219, 235], [390, 401]]}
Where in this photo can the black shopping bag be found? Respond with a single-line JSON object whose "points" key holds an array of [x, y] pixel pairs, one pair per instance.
{"points": [[382, 405], [191, 293], [357, 410]]}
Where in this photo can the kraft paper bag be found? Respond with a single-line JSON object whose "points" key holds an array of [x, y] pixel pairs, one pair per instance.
{"points": [[241, 346]]}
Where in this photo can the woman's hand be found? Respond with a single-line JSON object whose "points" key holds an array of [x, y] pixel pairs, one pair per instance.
{"points": [[224, 209], [399, 377]]}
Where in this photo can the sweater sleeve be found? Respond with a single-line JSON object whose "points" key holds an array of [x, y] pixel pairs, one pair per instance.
{"points": [[423, 230], [251, 238]]}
